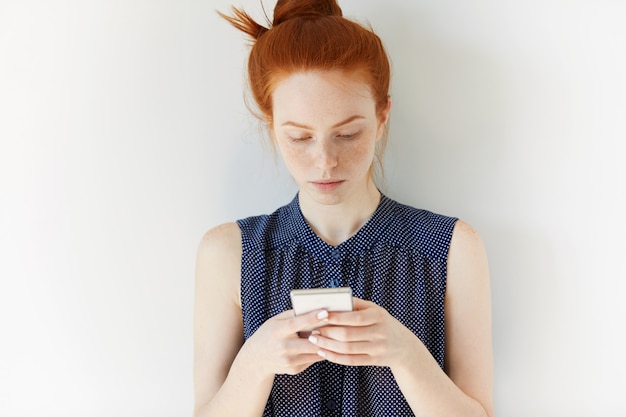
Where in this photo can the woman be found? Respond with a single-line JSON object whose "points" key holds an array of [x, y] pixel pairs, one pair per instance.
{"points": [[418, 341]]}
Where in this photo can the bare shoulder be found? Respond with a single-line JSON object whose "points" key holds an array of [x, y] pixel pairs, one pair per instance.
{"points": [[469, 357], [219, 260], [222, 239], [467, 253], [465, 241], [468, 268]]}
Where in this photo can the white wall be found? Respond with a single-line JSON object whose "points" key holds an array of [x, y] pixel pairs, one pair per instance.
{"points": [[123, 137]]}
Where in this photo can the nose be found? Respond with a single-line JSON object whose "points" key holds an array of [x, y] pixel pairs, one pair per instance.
{"points": [[326, 157]]}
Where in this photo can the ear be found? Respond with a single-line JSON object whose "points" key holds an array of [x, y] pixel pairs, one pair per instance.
{"points": [[387, 110], [269, 127], [383, 118]]}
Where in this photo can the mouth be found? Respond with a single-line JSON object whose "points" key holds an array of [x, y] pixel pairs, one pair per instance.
{"points": [[327, 185]]}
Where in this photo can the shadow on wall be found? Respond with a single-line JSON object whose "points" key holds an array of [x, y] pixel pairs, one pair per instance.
{"points": [[447, 125], [248, 176], [448, 151], [257, 169], [526, 330]]}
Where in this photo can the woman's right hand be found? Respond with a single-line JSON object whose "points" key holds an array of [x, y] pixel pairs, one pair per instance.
{"points": [[276, 348], [228, 369]]}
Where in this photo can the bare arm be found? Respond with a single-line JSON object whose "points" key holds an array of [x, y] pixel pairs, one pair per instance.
{"points": [[218, 331], [466, 387], [371, 336], [469, 351], [233, 378]]}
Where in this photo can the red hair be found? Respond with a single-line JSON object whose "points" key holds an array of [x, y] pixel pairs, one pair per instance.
{"points": [[311, 35]]}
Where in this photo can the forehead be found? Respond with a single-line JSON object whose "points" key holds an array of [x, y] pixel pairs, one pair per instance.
{"points": [[314, 94]]}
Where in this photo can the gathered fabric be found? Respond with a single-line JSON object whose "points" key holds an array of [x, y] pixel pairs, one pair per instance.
{"points": [[398, 260]]}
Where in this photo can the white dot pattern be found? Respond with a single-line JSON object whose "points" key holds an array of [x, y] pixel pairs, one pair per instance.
{"points": [[397, 260]]}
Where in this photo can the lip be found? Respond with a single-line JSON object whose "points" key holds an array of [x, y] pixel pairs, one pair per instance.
{"points": [[327, 185]]}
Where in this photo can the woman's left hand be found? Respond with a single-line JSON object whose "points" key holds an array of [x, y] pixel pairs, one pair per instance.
{"points": [[369, 335]]}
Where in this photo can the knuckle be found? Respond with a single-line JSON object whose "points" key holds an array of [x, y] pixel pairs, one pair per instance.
{"points": [[378, 315], [344, 333], [350, 349], [337, 333], [362, 319]]}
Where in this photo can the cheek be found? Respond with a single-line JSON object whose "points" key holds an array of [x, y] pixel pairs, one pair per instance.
{"points": [[293, 158], [356, 155], [361, 153]]}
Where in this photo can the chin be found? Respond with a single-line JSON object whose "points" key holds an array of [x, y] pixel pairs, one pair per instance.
{"points": [[327, 198]]}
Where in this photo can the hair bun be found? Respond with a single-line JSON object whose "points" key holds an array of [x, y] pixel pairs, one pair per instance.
{"points": [[308, 9]]}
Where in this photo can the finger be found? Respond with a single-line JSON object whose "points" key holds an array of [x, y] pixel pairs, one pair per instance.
{"points": [[296, 355], [307, 321], [365, 317], [360, 304], [349, 360], [345, 348], [302, 362], [349, 333], [284, 315], [309, 359], [299, 346]]}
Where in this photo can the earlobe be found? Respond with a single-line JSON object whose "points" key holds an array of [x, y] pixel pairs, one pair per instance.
{"points": [[387, 110], [384, 118]]}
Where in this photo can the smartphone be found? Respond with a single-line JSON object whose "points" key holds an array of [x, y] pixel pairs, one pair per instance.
{"points": [[331, 299]]}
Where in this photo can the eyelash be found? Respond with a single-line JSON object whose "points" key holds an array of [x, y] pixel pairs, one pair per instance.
{"points": [[304, 138], [350, 136]]}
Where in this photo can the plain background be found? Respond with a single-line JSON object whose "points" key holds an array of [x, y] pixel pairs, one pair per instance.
{"points": [[124, 137]]}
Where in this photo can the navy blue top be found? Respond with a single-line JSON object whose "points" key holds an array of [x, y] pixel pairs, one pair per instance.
{"points": [[397, 260]]}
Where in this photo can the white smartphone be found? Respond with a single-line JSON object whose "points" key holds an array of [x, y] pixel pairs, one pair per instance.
{"points": [[331, 299]]}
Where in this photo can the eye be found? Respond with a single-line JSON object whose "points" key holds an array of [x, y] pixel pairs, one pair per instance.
{"points": [[348, 135], [299, 138]]}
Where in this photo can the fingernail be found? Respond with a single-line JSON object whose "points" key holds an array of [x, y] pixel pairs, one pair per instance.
{"points": [[316, 332], [321, 353], [312, 339], [322, 315]]}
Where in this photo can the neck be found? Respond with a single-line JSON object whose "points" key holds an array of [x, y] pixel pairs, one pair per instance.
{"points": [[336, 223]]}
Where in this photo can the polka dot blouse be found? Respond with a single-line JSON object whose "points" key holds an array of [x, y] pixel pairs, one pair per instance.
{"points": [[397, 260]]}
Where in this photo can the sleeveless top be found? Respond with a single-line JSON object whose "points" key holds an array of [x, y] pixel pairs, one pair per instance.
{"points": [[397, 260]]}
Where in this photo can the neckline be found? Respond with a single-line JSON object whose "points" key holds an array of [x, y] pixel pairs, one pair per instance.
{"points": [[360, 242]]}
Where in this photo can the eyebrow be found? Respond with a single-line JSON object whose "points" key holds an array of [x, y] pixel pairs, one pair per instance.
{"points": [[343, 122]]}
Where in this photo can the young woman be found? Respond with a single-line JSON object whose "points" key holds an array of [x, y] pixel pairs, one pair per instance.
{"points": [[418, 341]]}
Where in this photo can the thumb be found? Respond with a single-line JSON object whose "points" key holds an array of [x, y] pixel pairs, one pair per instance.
{"points": [[308, 321]]}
